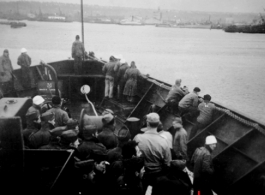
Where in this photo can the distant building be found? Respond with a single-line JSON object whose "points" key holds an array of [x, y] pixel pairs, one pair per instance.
{"points": [[56, 18], [229, 20], [30, 15], [152, 21]]}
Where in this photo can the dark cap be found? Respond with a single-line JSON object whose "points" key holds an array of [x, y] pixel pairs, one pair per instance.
{"points": [[124, 134], [68, 136], [207, 97], [56, 100], [197, 89], [112, 58]]}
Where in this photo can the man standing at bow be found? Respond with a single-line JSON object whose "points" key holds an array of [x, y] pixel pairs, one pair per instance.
{"points": [[6, 69], [78, 50], [27, 77]]}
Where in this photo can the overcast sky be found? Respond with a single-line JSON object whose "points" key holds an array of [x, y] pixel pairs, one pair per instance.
{"points": [[256, 6]]}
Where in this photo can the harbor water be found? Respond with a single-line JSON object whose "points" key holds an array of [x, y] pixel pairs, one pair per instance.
{"points": [[228, 66]]}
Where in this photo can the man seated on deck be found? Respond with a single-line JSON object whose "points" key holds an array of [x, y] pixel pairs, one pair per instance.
{"points": [[205, 117], [61, 116], [175, 94], [107, 136], [37, 103], [32, 119], [43, 136], [90, 142], [189, 103]]}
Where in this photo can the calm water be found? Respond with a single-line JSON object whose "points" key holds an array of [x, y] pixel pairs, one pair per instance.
{"points": [[229, 67]]}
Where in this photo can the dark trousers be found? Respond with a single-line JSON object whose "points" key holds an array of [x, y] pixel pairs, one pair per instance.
{"points": [[27, 78], [78, 65], [192, 111], [173, 107], [121, 85]]}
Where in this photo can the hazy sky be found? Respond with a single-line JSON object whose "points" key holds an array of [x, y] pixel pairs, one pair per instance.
{"points": [[187, 5]]}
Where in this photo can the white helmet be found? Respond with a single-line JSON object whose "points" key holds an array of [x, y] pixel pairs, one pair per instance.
{"points": [[210, 140], [122, 61], [23, 50], [37, 100], [118, 56]]}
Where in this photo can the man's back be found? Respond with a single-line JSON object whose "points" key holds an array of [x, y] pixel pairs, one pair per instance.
{"points": [[5, 69], [155, 150], [108, 69], [175, 93], [189, 100], [202, 163], [206, 113], [61, 116], [24, 60], [180, 142], [77, 49]]}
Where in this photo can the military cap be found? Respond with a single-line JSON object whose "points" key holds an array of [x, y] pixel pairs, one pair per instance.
{"points": [[124, 134], [68, 136]]}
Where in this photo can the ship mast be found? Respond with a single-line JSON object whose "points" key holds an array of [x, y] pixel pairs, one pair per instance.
{"points": [[82, 22]]}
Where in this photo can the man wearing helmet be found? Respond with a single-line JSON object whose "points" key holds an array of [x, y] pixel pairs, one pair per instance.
{"points": [[25, 61], [202, 167], [37, 102]]}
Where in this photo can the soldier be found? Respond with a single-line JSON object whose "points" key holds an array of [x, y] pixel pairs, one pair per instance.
{"points": [[37, 103], [120, 78], [78, 50], [6, 69], [150, 143], [202, 167], [61, 116], [43, 136], [110, 69], [27, 77], [32, 128]]}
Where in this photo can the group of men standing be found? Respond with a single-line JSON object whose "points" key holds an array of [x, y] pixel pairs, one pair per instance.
{"points": [[7, 77], [119, 76]]}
